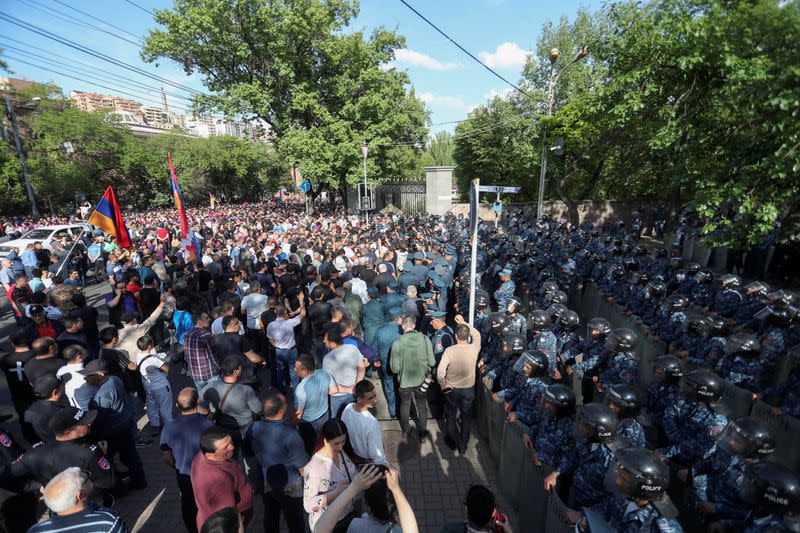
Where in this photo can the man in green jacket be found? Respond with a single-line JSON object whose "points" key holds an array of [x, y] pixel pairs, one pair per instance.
{"points": [[411, 361]]}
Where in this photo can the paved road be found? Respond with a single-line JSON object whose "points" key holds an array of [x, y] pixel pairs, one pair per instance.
{"points": [[434, 478]]}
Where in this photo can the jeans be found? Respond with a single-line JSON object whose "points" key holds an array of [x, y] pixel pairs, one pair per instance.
{"points": [[292, 509], [284, 362], [458, 415], [418, 398], [188, 505], [200, 384], [159, 406], [387, 380], [339, 402]]}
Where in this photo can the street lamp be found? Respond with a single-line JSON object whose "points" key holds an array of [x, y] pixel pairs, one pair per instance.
{"points": [[554, 76], [22, 159], [365, 150]]}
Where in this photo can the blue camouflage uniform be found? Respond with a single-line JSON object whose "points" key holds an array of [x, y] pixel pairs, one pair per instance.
{"points": [[546, 342], [636, 302], [568, 346], [631, 431], [726, 302], [687, 286], [653, 310], [527, 404], [711, 353], [691, 342], [554, 440], [511, 383], [717, 477], [670, 326], [659, 397], [626, 517], [702, 295], [773, 346], [745, 311], [764, 524], [622, 368], [503, 293], [743, 372], [691, 428], [594, 356], [588, 464]]}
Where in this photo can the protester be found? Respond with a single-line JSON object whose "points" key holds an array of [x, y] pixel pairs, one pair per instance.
{"points": [[233, 404], [412, 360], [363, 428], [346, 367]]}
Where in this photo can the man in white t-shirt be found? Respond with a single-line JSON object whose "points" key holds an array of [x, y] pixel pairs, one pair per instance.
{"points": [[253, 305], [153, 368], [78, 392], [363, 428], [228, 309], [347, 367]]}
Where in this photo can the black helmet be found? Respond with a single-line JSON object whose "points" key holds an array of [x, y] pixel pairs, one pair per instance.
{"points": [[626, 398], [607, 239], [693, 268], [730, 281], [622, 340], [781, 298], [539, 321], [703, 386], [697, 324], [776, 315], [661, 253], [771, 488], [596, 423], [548, 287], [599, 324], [640, 278], [656, 289], [481, 299], [637, 474], [513, 301], [704, 276], [757, 288], [718, 326], [616, 271], [670, 366], [513, 344], [677, 302], [747, 437], [569, 320], [555, 311], [676, 262], [559, 297], [640, 251], [498, 322], [537, 360], [744, 344], [561, 397], [631, 264]]}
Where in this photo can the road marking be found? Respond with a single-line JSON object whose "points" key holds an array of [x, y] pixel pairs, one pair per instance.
{"points": [[148, 511]]}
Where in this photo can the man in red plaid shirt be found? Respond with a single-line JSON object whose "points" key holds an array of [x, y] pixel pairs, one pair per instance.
{"points": [[198, 351]]}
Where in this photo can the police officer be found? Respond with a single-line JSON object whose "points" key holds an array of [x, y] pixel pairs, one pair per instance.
{"points": [[543, 339], [714, 346], [594, 355], [755, 295], [728, 299], [693, 423], [373, 316], [773, 494], [568, 340], [517, 322], [694, 338], [523, 402], [624, 401], [512, 346], [670, 324], [392, 298], [623, 365], [742, 366], [70, 426], [653, 304], [636, 501], [702, 294], [554, 439], [505, 291], [664, 390], [441, 336], [384, 338], [490, 358], [787, 394], [595, 446]]}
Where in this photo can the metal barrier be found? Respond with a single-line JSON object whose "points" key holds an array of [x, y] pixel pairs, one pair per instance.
{"points": [[787, 435], [512, 457], [556, 520], [495, 429], [738, 400]]}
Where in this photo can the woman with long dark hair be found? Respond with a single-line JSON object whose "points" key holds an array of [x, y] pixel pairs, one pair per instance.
{"points": [[331, 469]]}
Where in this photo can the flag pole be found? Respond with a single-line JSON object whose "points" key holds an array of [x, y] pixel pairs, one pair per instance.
{"points": [[71, 250], [474, 258]]}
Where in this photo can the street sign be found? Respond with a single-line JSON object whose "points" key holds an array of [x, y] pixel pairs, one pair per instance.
{"points": [[498, 189], [305, 186], [497, 207]]}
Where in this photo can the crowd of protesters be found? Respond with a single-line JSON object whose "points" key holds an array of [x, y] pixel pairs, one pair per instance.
{"points": [[259, 364]]}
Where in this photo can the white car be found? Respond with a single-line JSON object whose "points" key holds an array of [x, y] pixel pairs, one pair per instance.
{"points": [[45, 235]]}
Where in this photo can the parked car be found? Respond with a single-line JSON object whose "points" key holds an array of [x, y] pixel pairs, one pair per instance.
{"points": [[45, 234]]}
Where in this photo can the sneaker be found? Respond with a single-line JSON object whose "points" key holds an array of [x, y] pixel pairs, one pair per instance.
{"points": [[144, 443]]}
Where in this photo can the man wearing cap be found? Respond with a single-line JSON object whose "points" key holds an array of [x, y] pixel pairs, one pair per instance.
{"points": [[373, 316], [391, 299], [505, 291], [407, 278], [41, 326], [49, 390], [116, 420], [420, 267], [384, 338], [70, 426]]}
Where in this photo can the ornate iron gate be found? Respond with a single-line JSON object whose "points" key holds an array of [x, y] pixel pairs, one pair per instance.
{"points": [[408, 196]]}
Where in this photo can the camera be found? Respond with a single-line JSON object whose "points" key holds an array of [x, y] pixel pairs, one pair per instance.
{"points": [[426, 383], [498, 523]]}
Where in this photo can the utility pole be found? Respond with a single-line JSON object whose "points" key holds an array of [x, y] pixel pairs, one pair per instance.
{"points": [[22, 160], [365, 150], [164, 100]]}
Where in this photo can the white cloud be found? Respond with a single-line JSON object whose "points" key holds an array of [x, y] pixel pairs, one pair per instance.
{"points": [[411, 58], [506, 55], [504, 94], [452, 103]]}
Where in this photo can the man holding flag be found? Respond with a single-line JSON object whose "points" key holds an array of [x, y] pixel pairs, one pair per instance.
{"points": [[108, 217], [188, 240]]}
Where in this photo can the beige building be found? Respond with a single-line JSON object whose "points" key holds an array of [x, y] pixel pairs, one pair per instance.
{"points": [[86, 101]]}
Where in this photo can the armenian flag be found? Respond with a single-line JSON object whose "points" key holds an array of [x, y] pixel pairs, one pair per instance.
{"points": [[108, 217], [188, 240]]}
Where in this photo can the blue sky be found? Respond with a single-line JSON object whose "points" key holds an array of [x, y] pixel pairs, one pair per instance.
{"points": [[500, 32]]}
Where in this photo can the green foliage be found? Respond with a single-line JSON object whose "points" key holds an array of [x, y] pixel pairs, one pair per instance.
{"points": [[322, 91], [439, 151]]}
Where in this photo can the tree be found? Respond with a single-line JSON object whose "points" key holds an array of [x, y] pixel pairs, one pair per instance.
{"points": [[322, 90], [439, 150]]}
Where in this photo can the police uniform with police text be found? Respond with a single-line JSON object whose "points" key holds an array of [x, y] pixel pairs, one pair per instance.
{"points": [[46, 460]]}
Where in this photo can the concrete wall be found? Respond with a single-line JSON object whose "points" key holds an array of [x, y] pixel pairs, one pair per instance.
{"points": [[438, 190]]}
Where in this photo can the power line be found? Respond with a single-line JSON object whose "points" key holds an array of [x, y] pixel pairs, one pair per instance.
{"points": [[81, 48], [484, 65], [72, 20], [91, 71], [97, 19], [140, 7], [457, 137]]}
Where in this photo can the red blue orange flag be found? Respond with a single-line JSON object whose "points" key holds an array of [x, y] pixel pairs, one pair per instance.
{"points": [[108, 217], [188, 241]]}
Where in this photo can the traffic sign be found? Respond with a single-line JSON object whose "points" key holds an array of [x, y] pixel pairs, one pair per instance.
{"points": [[305, 186], [497, 207], [498, 189]]}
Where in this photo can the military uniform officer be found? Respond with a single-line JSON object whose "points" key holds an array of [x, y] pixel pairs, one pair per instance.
{"points": [[373, 316], [384, 338], [392, 298], [42, 463], [505, 291]]}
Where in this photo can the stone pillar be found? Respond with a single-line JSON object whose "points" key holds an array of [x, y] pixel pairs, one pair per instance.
{"points": [[438, 190]]}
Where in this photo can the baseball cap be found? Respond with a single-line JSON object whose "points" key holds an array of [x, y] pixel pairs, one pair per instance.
{"points": [[419, 256], [35, 309], [69, 417], [395, 312], [95, 366], [372, 291], [437, 314], [505, 272], [426, 295], [45, 385], [392, 285]]}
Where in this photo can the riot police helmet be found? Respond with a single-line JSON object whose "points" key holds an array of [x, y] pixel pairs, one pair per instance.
{"points": [[639, 250], [539, 321], [743, 344], [598, 328], [747, 437], [561, 398], [655, 289], [730, 281], [676, 262], [569, 320], [555, 311], [776, 315], [692, 268], [677, 302], [771, 488], [624, 399], [718, 326], [631, 264], [498, 322], [481, 299], [670, 367], [637, 474], [513, 344], [697, 324], [533, 364], [781, 298], [622, 340], [703, 386], [596, 423], [549, 286], [704, 276], [559, 297], [641, 278], [756, 288]]}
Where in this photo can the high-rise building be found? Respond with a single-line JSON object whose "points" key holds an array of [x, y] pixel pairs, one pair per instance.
{"points": [[158, 118], [88, 101]]}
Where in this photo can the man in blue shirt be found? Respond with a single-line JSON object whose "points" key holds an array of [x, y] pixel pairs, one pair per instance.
{"points": [[29, 260], [180, 442], [281, 453], [311, 395]]}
